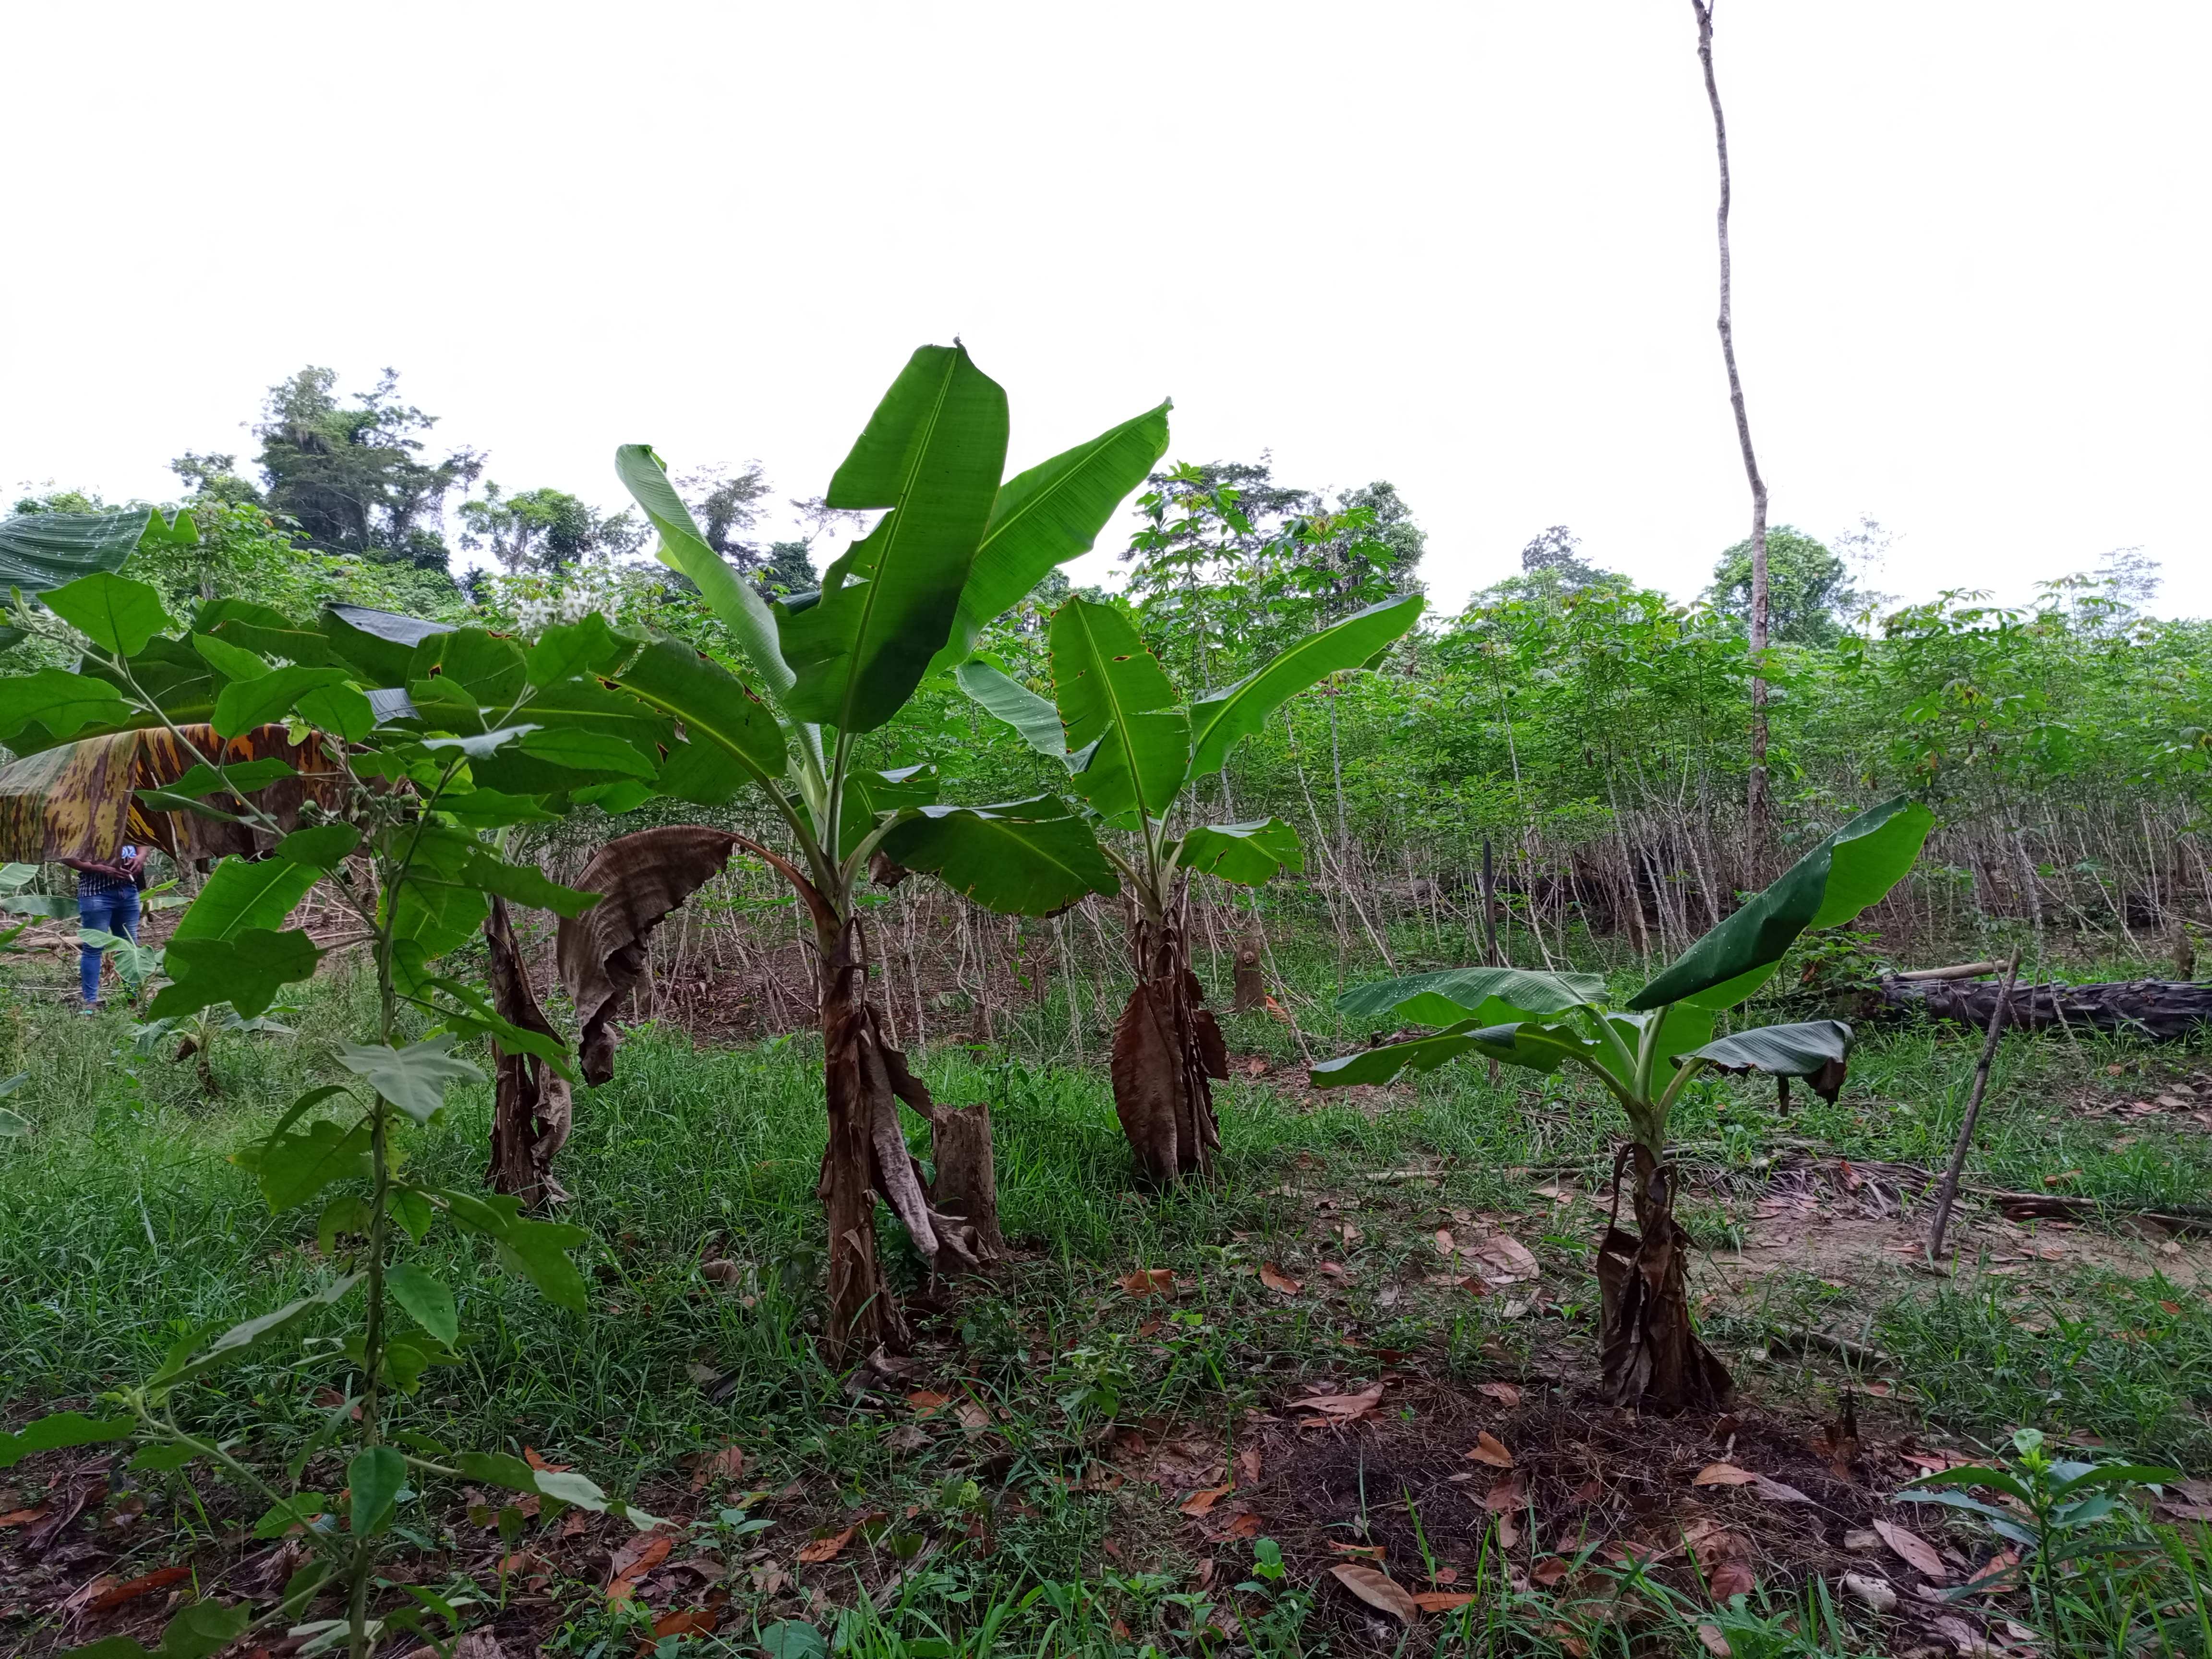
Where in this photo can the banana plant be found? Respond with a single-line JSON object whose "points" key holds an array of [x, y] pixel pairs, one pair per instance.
{"points": [[1644, 1054], [1134, 750], [956, 547]]}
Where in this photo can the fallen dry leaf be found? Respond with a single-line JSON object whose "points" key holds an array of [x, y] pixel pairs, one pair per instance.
{"points": [[634, 1560], [1364, 1552], [1245, 1525], [1199, 1502], [726, 1464], [1442, 1601], [1549, 1571], [1276, 1279], [1724, 1474], [826, 1549], [691, 1621], [1914, 1550], [530, 1457], [1248, 1465], [1378, 1591], [133, 1588], [1444, 1575], [1503, 1256], [1504, 1393], [1156, 1281], [1345, 1407], [1725, 1559], [1710, 1640], [926, 1400], [1507, 1494], [1962, 1636], [1489, 1449], [1774, 1492], [972, 1416], [22, 1517]]}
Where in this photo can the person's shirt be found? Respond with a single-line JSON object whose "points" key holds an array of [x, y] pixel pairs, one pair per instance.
{"points": [[97, 880]]}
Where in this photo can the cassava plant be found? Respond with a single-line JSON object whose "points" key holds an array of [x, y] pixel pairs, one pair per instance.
{"points": [[1645, 1055], [423, 749], [1136, 753], [957, 548]]}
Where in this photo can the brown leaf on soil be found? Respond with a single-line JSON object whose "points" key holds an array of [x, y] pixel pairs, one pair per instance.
{"points": [[1364, 1552], [574, 1523], [1724, 1474], [926, 1400], [1962, 1636], [1504, 1258], [691, 1621], [22, 1517], [633, 1561], [1724, 1557], [1775, 1491], [1504, 1393], [1245, 1525], [1508, 1494], [603, 953], [1276, 1279], [1157, 1281], [1914, 1550], [1442, 1601], [1549, 1571], [826, 1549], [1199, 1502], [1489, 1449], [1710, 1640], [972, 1416], [1509, 1528], [1378, 1591], [726, 1464], [530, 1457], [1342, 1406], [133, 1588], [1248, 1466]]}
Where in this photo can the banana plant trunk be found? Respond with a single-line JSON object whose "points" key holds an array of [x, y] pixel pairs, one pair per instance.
{"points": [[1167, 1048], [865, 1078], [1651, 1357], [532, 1106]]}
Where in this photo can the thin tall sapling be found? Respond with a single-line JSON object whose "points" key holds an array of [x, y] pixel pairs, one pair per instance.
{"points": [[402, 822], [957, 548], [1134, 751], [1649, 1354]]}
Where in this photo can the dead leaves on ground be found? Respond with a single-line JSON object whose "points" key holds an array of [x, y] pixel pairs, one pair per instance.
{"points": [[1337, 1408], [1489, 1449], [1913, 1550], [826, 1549], [1276, 1279], [1378, 1590], [633, 1561], [1148, 1282], [727, 1464]]}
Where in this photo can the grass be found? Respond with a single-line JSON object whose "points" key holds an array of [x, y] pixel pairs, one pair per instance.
{"points": [[121, 1225]]}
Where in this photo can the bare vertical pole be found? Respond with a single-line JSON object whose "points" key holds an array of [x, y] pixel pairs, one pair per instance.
{"points": [[1489, 907], [1756, 800], [1947, 1194]]}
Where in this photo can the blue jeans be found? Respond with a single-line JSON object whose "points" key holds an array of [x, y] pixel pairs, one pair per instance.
{"points": [[115, 911]]}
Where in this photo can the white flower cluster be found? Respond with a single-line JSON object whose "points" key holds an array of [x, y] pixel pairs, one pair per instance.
{"points": [[538, 605]]}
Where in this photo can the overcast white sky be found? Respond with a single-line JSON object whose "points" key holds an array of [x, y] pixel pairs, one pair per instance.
{"points": [[1468, 248]]}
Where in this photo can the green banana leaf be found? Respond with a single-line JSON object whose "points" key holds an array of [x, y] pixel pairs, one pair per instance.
{"points": [[1247, 854], [1005, 699], [1848, 871], [738, 605], [1114, 694], [1798, 1050], [731, 737], [933, 453], [1219, 721], [870, 796], [380, 644], [1507, 1043], [1048, 515], [1454, 993], [1028, 858], [41, 552]]}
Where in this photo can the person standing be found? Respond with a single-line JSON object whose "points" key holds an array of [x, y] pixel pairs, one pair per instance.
{"points": [[108, 901]]}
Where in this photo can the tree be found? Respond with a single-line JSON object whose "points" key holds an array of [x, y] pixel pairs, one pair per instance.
{"points": [[790, 569], [214, 479], [354, 479], [1134, 751], [1806, 586], [1757, 613], [955, 548], [1650, 1353], [546, 530], [1553, 568], [406, 822]]}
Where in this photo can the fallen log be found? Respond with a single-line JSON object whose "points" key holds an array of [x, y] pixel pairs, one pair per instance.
{"points": [[2166, 1010]]}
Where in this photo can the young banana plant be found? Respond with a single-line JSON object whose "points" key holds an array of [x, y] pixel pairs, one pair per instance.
{"points": [[957, 548], [1134, 751], [1645, 1055]]}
